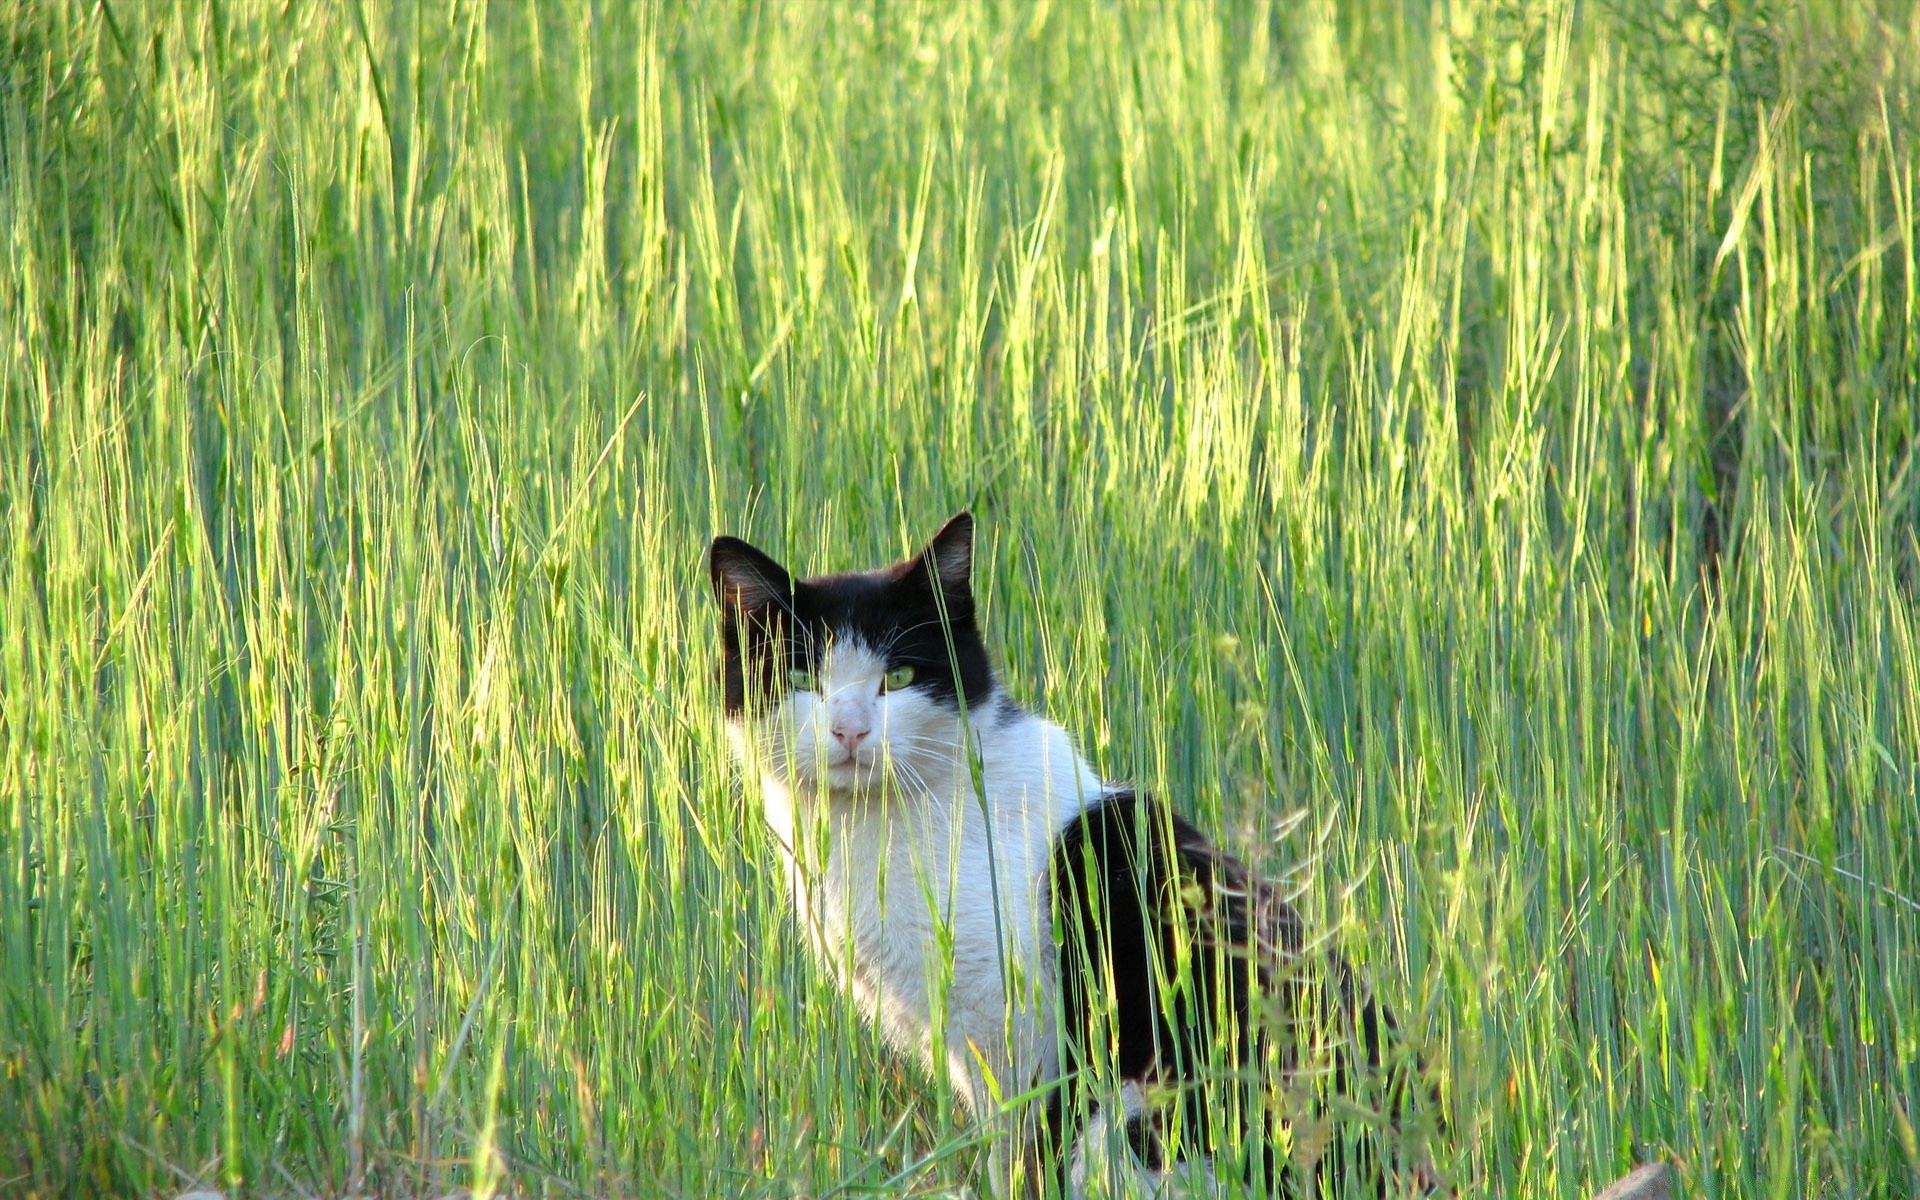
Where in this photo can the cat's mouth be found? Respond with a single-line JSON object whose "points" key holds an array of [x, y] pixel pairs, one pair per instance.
{"points": [[831, 766], [856, 771], [844, 774]]}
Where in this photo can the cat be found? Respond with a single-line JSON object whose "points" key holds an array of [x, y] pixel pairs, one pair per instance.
{"points": [[1071, 957]]}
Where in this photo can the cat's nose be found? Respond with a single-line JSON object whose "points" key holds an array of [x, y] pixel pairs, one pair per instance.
{"points": [[850, 733]]}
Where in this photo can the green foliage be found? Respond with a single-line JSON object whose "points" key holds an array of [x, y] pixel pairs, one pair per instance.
{"points": [[1489, 427]]}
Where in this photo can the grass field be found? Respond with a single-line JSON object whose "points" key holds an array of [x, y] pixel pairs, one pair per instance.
{"points": [[1486, 427]]}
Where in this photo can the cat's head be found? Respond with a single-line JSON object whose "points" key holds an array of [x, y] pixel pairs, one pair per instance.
{"points": [[850, 683]]}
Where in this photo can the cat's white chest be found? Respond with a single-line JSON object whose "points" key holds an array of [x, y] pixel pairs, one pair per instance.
{"points": [[931, 908], [927, 916]]}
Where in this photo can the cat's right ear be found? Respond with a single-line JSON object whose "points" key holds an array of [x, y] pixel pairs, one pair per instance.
{"points": [[746, 580], [949, 556]]}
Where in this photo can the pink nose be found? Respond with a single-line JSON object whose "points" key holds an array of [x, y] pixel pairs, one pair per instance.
{"points": [[850, 734]]}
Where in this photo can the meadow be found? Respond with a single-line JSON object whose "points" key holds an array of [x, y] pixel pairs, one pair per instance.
{"points": [[1478, 436]]}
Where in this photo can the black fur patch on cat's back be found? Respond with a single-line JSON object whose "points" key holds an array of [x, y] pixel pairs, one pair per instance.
{"points": [[1116, 877], [1134, 887]]}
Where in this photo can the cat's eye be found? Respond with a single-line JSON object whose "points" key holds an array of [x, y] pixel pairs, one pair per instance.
{"points": [[897, 678], [803, 680]]}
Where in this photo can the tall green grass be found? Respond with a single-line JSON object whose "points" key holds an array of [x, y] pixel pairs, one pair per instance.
{"points": [[1488, 427]]}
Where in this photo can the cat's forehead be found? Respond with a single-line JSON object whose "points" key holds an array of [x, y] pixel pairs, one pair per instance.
{"points": [[852, 658], [850, 596], [866, 608]]}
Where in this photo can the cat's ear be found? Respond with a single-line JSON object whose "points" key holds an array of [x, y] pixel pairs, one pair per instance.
{"points": [[949, 556], [745, 579]]}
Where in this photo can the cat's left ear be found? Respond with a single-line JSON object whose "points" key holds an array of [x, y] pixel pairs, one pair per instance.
{"points": [[746, 580], [949, 556]]}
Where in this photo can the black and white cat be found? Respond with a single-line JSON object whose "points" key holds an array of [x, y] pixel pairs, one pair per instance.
{"points": [[1070, 956]]}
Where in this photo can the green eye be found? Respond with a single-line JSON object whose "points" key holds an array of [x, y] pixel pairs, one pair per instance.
{"points": [[803, 681], [898, 678]]}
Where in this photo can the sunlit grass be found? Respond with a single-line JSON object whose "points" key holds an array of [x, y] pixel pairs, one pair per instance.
{"points": [[1489, 428]]}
